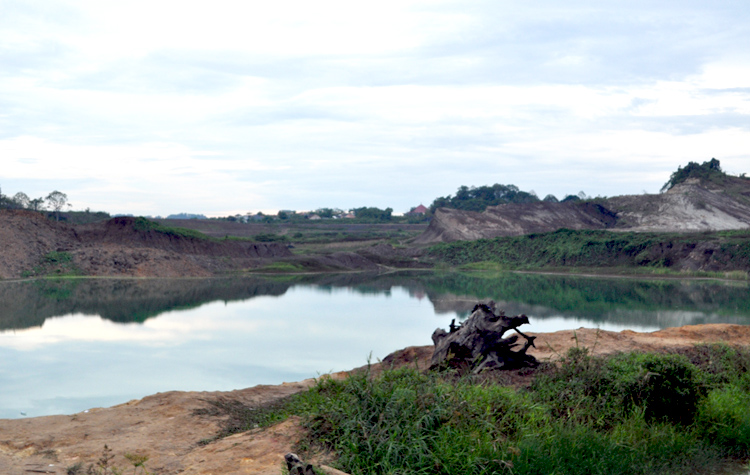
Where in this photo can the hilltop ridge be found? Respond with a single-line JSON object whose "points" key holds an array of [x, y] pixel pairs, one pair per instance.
{"points": [[701, 199]]}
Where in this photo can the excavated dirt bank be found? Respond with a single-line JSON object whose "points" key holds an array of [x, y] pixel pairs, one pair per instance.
{"points": [[689, 206], [165, 426], [34, 245]]}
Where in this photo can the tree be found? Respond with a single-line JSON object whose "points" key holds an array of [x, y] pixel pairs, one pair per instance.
{"points": [[479, 198], [37, 204], [373, 214], [57, 200], [22, 199], [705, 171]]}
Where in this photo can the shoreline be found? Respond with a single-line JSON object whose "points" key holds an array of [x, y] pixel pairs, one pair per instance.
{"points": [[166, 427]]}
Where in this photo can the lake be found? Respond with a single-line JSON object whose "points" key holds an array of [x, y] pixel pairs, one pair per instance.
{"points": [[74, 344]]}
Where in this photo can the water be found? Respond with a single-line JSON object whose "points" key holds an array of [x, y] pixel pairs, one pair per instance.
{"points": [[66, 346]]}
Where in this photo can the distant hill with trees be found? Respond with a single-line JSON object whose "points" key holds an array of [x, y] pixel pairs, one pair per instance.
{"points": [[479, 198]]}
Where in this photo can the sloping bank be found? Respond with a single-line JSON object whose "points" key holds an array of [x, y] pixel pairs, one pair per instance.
{"points": [[678, 409], [722, 251]]}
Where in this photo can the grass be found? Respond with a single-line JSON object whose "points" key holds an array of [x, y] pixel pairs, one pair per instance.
{"points": [[105, 466], [565, 248], [56, 264], [146, 225], [627, 414], [281, 267]]}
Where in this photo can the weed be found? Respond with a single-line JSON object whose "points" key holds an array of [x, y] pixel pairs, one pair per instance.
{"points": [[597, 249], [282, 267], [104, 465], [57, 263]]}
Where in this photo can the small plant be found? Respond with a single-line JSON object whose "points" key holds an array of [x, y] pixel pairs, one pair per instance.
{"points": [[138, 461], [104, 465]]}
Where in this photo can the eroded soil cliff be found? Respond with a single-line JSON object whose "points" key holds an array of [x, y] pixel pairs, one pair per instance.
{"points": [[689, 206], [34, 245]]}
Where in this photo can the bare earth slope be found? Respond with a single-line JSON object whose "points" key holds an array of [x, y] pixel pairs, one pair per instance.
{"points": [[514, 220], [689, 206], [117, 248], [165, 428]]}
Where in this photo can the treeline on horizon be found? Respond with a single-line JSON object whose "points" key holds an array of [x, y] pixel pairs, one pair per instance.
{"points": [[467, 198]]}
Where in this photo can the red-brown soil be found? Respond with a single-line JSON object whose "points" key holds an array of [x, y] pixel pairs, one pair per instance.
{"points": [[166, 428], [117, 248]]}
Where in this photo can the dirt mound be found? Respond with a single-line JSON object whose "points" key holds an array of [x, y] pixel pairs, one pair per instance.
{"points": [[34, 245], [125, 232], [689, 206], [26, 236], [515, 220], [166, 427]]}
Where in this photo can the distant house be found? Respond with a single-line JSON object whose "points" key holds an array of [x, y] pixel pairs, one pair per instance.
{"points": [[421, 209], [313, 216]]}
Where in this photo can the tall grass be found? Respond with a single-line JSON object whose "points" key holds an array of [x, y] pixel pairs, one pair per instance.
{"points": [[594, 248], [628, 414]]}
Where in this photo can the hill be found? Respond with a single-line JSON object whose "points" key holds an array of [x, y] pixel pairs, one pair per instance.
{"points": [[34, 245], [701, 199]]}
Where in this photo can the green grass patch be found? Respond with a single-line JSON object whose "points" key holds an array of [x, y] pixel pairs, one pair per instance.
{"points": [[146, 225], [55, 264], [596, 249], [627, 414], [270, 237], [282, 267]]}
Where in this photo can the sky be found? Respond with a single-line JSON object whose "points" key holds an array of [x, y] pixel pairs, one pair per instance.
{"points": [[158, 107]]}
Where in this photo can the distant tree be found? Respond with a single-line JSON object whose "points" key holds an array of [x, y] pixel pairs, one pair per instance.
{"points": [[4, 200], [570, 198], [551, 199], [373, 214], [57, 200], [705, 171], [37, 204], [327, 212], [22, 200], [479, 198]]}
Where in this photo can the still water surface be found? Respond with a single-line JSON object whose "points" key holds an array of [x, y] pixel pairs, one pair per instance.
{"points": [[66, 346]]}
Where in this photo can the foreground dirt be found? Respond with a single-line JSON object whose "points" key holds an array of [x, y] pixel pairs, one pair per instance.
{"points": [[166, 428]]}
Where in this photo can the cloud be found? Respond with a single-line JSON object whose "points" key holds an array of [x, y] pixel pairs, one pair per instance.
{"points": [[267, 106]]}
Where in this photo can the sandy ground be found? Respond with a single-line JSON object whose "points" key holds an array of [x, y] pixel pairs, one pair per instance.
{"points": [[165, 428]]}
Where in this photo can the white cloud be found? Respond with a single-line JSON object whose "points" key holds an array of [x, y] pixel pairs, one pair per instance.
{"points": [[165, 106]]}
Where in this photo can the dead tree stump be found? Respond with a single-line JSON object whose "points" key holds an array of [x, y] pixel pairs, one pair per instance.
{"points": [[478, 343]]}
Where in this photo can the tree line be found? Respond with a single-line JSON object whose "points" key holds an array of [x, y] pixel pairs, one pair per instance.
{"points": [[55, 205], [479, 198]]}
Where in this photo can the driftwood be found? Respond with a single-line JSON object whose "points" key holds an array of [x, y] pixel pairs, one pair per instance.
{"points": [[478, 343], [297, 467]]}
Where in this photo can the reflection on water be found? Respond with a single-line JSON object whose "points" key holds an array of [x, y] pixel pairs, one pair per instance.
{"points": [[73, 344]]}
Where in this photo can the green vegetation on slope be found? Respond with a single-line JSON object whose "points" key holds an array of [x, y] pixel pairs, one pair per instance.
{"points": [[707, 172], [626, 414], [146, 225], [595, 248], [55, 263]]}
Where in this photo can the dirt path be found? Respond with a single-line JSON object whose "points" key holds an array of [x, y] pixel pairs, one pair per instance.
{"points": [[166, 429]]}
